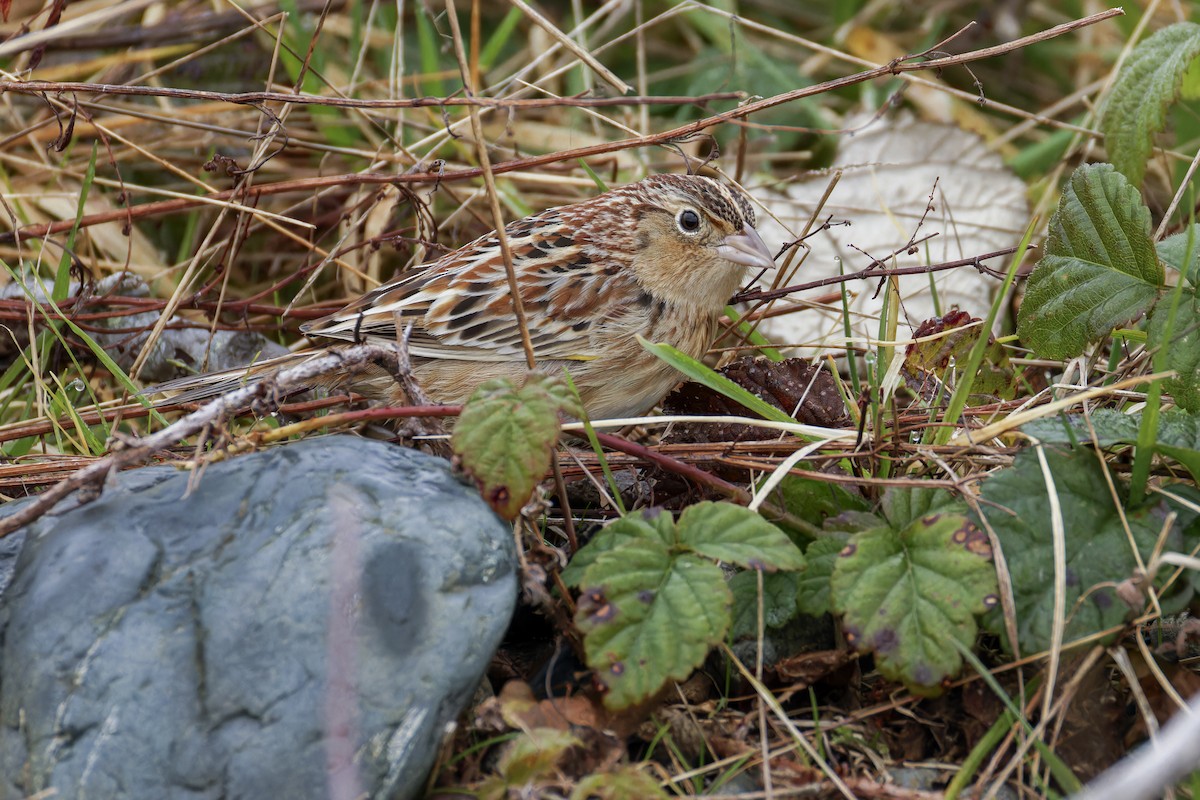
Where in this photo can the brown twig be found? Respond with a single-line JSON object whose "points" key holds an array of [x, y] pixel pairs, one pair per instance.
{"points": [[674, 465], [869, 272], [258, 98]]}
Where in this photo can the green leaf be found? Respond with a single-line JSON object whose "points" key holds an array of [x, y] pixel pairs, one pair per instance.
{"points": [[1178, 435], [1183, 351], [779, 601], [1100, 269], [535, 755], [649, 616], [652, 601], [907, 594], [812, 591], [901, 508], [814, 500], [737, 535], [505, 438], [62, 278], [1150, 80], [1111, 427], [563, 395], [1177, 252], [630, 528], [850, 522], [626, 783], [718, 383], [1017, 506]]}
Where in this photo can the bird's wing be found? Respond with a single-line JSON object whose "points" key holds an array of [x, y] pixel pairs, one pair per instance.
{"points": [[460, 307]]}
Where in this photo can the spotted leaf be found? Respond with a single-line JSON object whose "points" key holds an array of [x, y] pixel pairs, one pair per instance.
{"points": [[907, 593], [505, 437], [649, 615]]}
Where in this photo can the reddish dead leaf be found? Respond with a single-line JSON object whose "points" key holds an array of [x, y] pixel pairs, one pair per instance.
{"points": [[52, 19], [808, 668], [522, 710], [1183, 680], [929, 363]]}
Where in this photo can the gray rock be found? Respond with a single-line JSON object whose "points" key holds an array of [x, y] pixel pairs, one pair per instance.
{"points": [[10, 548], [305, 623], [177, 352]]}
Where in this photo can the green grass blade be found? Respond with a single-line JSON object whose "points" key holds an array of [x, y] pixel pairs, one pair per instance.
{"points": [[596, 448], [62, 279], [495, 43], [851, 358], [764, 345], [1139, 475], [99, 352], [1058, 768], [718, 383], [428, 44], [596, 179], [958, 400]]}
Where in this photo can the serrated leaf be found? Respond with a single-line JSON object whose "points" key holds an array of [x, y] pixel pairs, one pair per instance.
{"points": [[816, 501], [906, 595], [849, 522], [779, 601], [737, 535], [902, 507], [649, 616], [812, 590], [562, 394], [1111, 427], [1100, 269], [1183, 351], [1017, 507], [626, 783], [1178, 434], [1150, 80], [631, 527], [505, 439], [1183, 255]]}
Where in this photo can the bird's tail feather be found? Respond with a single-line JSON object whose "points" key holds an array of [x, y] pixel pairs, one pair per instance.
{"points": [[193, 388]]}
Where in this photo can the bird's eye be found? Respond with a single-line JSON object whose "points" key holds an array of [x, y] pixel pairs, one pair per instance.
{"points": [[689, 221]]}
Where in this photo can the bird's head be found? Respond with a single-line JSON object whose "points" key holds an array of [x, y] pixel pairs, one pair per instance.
{"points": [[694, 238]]}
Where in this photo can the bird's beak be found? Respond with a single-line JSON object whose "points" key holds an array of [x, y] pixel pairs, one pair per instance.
{"points": [[748, 249]]}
